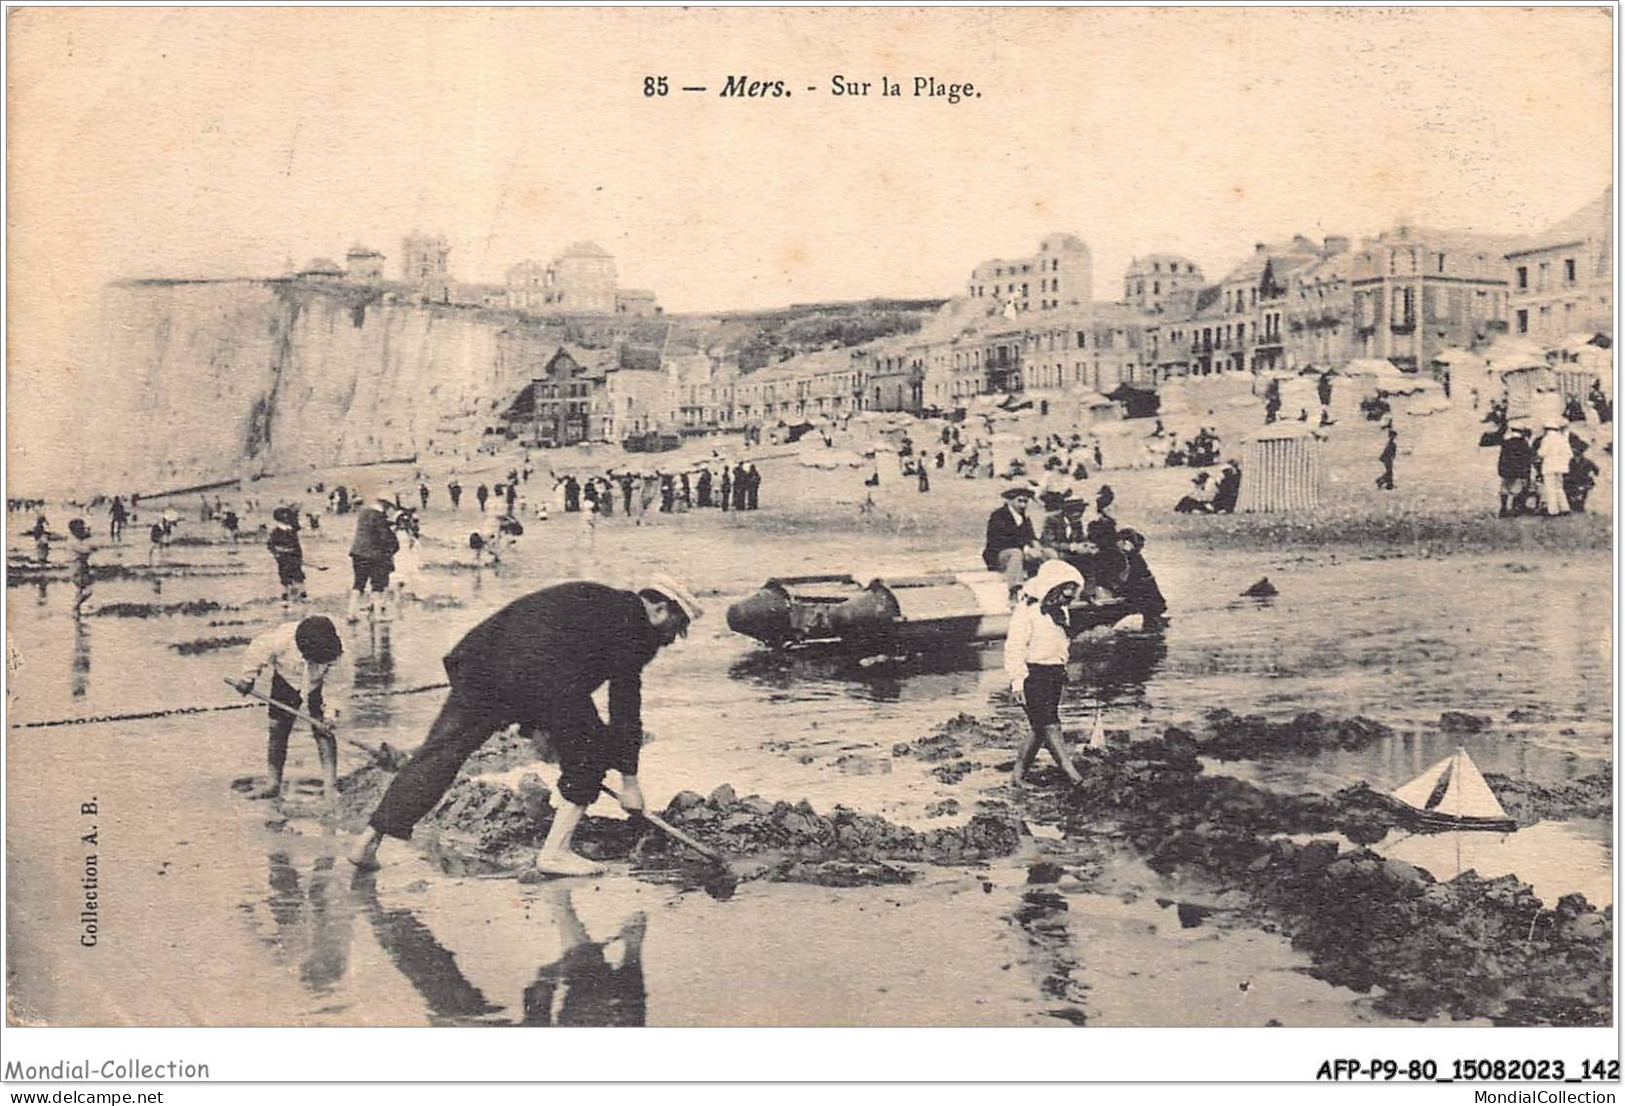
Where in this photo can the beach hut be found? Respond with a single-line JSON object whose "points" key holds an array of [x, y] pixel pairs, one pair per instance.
{"points": [[1579, 363], [1092, 407], [1138, 403], [1454, 365], [1523, 383], [1283, 470]]}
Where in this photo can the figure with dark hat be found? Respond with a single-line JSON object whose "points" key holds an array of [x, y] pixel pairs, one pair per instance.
{"points": [[1011, 547], [1390, 450], [1134, 583], [1199, 500], [1581, 476], [288, 553], [1513, 466], [373, 555], [1229, 490], [537, 662], [1064, 537], [117, 516], [1102, 534], [309, 670]]}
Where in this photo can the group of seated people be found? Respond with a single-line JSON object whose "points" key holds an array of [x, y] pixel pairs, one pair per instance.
{"points": [[1200, 452], [1213, 497], [1110, 558]]}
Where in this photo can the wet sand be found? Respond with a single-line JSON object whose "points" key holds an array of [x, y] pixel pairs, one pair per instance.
{"points": [[218, 911]]}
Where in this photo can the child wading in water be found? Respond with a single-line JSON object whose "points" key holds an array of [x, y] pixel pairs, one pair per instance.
{"points": [[80, 548], [1035, 655], [308, 666], [290, 555]]}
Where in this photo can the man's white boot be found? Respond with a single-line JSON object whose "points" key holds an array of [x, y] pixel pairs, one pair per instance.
{"points": [[556, 857]]}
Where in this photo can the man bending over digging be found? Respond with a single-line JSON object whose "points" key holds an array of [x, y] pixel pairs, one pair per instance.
{"points": [[537, 662]]}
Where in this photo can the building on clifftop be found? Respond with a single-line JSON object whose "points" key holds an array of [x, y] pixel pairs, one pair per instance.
{"points": [[363, 265], [580, 281], [320, 270], [425, 266]]}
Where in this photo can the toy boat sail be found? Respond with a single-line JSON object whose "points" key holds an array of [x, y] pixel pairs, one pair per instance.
{"points": [[1452, 794]]}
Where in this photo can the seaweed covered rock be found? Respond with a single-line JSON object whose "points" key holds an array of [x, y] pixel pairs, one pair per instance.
{"points": [[1529, 802], [752, 825], [1469, 948], [1233, 737]]}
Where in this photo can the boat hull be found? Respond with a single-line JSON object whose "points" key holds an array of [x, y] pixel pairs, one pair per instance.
{"points": [[1429, 821], [895, 615]]}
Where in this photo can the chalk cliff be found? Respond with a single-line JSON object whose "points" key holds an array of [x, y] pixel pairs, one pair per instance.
{"points": [[226, 378]]}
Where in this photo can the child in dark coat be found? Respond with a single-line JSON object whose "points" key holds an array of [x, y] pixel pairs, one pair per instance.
{"points": [[289, 555]]}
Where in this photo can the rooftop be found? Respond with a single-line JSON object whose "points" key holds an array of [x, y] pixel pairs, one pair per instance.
{"points": [[1593, 221]]}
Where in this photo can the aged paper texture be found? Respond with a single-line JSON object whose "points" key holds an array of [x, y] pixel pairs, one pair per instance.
{"points": [[861, 517]]}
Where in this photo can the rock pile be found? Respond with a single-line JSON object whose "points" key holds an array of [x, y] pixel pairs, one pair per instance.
{"points": [[754, 825], [1529, 802], [1234, 737], [500, 825], [1467, 948]]}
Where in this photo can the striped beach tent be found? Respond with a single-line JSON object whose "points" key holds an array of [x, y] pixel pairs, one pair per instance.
{"points": [[1283, 470]]}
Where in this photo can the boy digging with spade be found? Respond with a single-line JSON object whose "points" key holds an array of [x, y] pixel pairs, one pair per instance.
{"points": [[308, 666]]}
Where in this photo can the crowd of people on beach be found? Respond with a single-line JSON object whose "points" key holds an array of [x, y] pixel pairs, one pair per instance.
{"points": [[1545, 474], [1067, 565], [715, 483]]}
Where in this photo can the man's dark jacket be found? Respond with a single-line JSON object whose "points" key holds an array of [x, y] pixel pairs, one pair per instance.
{"points": [[1003, 532], [544, 655]]}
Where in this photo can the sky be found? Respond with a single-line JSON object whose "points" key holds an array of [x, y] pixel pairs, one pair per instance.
{"points": [[219, 142]]}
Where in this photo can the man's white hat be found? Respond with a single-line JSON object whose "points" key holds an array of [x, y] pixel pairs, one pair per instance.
{"points": [[678, 594]]}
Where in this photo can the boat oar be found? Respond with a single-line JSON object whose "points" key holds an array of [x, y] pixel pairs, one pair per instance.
{"points": [[384, 756], [675, 834]]}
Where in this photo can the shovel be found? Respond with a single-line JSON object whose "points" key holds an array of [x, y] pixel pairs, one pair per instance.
{"points": [[722, 880], [674, 833], [383, 756]]}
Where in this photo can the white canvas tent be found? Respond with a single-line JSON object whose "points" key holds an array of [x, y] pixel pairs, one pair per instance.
{"points": [[1514, 353], [1453, 794], [1454, 356]]}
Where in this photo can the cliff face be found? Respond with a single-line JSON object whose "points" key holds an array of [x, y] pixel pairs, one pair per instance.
{"points": [[227, 378], [207, 380]]}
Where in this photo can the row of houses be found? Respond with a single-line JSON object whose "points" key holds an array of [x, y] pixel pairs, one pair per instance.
{"points": [[1028, 325], [580, 281]]}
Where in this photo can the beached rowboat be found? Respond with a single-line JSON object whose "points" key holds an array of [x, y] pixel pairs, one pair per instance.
{"points": [[893, 615]]}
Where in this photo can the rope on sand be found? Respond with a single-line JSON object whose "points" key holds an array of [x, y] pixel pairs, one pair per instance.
{"points": [[137, 716]]}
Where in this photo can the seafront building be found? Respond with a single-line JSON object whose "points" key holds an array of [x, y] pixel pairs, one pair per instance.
{"points": [[1029, 325], [1562, 281]]}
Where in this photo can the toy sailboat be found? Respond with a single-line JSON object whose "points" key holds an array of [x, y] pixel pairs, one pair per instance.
{"points": [[1452, 794]]}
